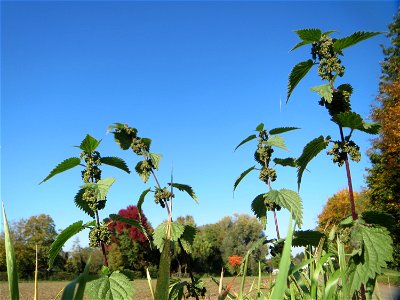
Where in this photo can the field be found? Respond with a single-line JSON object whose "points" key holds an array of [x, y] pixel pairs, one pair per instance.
{"points": [[48, 290]]}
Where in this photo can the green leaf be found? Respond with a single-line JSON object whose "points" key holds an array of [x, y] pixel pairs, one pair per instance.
{"points": [[89, 144], [187, 238], [242, 176], [114, 287], [279, 289], [277, 141], [377, 251], [310, 35], [162, 287], [298, 72], [160, 233], [155, 159], [70, 290], [141, 201], [282, 130], [259, 209], [147, 142], [123, 139], [101, 187], [286, 162], [115, 162], [325, 91], [353, 39], [260, 127], [132, 222], [176, 289], [11, 263], [67, 164], [143, 173], [290, 200], [185, 188], [62, 238], [355, 121], [379, 218], [116, 126], [82, 204], [249, 138], [306, 238], [298, 45], [310, 151]]}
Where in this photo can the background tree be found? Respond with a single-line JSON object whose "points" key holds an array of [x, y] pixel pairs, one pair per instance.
{"points": [[338, 207], [384, 176]]}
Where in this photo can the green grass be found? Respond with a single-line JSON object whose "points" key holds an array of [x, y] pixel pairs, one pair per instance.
{"points": [[391, 277]]}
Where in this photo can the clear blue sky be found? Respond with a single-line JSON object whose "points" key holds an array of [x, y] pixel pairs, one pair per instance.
{"points": [[196, 77]]}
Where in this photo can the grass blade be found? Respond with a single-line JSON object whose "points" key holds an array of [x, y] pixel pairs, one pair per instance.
{"points": [[12, 272], [149, 282], [36, 275]]}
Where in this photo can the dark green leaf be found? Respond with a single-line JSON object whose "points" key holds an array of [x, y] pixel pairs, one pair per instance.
{"points": [[62, 238], [242, 176], [259, 209], [185, 188], [67, 164], [140, 202], [260, 127], [306, 238], [355, 121], [187, 238], [147, 142], [123, 139], [282, 130], [353, 39], [11, 263], [379, 218], [277, 141], [114, 287], [325, 91], [290, 200], [89, 144], [115, 162], [310, 151], [251, 137], [298, 72], [310, 35], [82, 204], [286, 162], [131, 222]]}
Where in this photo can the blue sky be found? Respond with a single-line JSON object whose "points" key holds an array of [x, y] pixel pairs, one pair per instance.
{"points": [[195, 77]]}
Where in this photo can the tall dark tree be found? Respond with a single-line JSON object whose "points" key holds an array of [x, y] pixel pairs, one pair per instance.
{"points": [[384, 176]]}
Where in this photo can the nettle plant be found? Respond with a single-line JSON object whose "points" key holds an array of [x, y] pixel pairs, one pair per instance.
{"points": [[365, 238]]}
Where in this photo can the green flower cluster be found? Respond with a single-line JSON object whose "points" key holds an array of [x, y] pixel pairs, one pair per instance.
{"points": [[340, 100], [162, 195], [340, 149], [92, 171], [263, 157], [98, 235]]}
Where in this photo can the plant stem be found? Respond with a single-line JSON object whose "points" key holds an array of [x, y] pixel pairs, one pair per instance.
{"points": [[276, 225], [349, 181], [102, 247]]}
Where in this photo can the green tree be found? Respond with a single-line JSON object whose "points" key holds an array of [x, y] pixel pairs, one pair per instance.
{"points": [[384, 176]]}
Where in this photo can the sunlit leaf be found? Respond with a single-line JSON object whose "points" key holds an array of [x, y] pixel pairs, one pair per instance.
{"points": [[185, 188], [155, 159], [140, 202], [290, 200], [160, 233], [353, 39], [89, 144], [101, 187], [282, 130], [249, 138], [115, 162], [311, 35], [325, 91], [114, 287], [355, 121], [242, 176], [259, 209], [298, 72], [277, 141], [260, 127], [67, 164]]}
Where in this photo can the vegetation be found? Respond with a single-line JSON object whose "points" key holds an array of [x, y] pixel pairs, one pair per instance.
{"points": [[384, 176]]}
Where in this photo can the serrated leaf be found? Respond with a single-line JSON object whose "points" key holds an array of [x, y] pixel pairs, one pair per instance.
{"points": [[67, 164], [325, 91], [140, 202], [89, 144], [377, 251], [123, 139], [310, 151], [306, 238], [185, 188], [62, 238], [298, 72], [160, 233], [82, 204], [277, 141], [132, 222], [114, 287], [115, 162], [353, 39], [355, 121], [101, 187], [260, 127], [144, 174], [259, 209], [286, 162], [249, 138], [187, 238], [147, 142], [155, 159], [242, 176], [290, 200], [11, 263], [116, 126], [311, 34], [298, 45], [282, 130]]}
